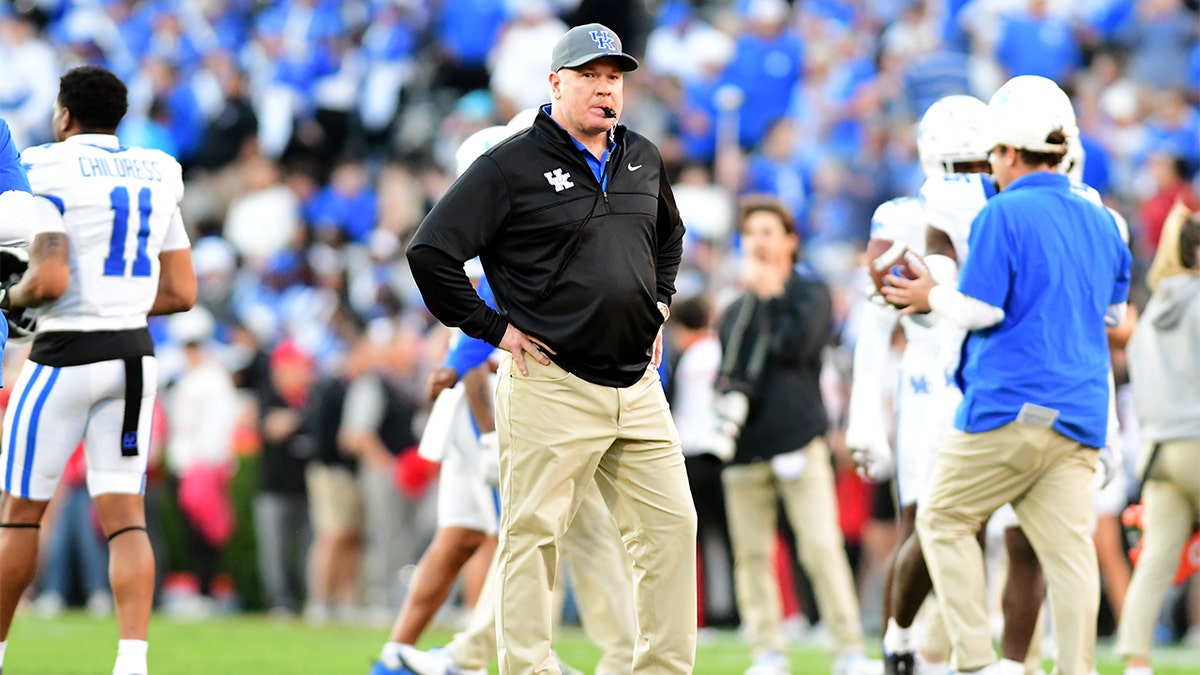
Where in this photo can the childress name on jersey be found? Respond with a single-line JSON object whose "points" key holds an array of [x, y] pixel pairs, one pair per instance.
{"points": [[119, 207]]}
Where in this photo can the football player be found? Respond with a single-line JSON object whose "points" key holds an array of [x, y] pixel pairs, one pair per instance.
{"points": [[952, 146], [109, 249]]}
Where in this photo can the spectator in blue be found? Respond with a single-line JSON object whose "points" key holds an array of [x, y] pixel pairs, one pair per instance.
{"points": [[1174, 127], [466, 31], [301, 21], [842, 13], [163, 80], [1035, 43], [765, 67], [852, 79], [1097, 165], [696, 116], [292, 55], [151, 130], [174, 37], [933, 76], [81, 37], [229, 22], [1158, 34], [774, 170], [345, 210], [953, 35], [1105, 20], [1194, 68], [388, 44]]}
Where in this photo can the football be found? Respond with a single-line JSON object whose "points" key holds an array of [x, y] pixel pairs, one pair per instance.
{"points": [[885, 257]]}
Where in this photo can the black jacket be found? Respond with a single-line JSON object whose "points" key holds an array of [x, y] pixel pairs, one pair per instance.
{"points": [[575, 266], [786, 409]]}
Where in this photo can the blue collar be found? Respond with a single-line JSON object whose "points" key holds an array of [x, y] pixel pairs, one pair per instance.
{"points": [[594, 163], [1050, 179]]}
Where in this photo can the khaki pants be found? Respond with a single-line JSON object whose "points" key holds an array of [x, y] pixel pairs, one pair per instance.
{"points": [[1048, 479], [603, 581], [1172, 502], [751, 494], [558, 433]]}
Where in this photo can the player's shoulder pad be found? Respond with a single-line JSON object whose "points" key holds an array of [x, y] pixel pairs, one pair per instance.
{"points": [[40, 154], [1087, 192], [950, 202]]}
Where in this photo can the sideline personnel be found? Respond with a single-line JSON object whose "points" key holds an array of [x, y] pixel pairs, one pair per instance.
{"points": [[577, 228]]}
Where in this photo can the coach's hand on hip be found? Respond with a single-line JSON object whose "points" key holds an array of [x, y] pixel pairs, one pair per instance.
{"points": [[518, 344]]}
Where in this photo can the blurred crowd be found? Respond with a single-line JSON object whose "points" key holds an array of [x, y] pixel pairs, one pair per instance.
{"points": [[315, 135]]}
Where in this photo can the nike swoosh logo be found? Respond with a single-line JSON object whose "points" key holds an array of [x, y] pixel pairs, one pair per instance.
{"points": [[633, 168]]}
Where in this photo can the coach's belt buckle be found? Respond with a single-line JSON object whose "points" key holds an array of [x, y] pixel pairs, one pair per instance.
{"points": [[1037, 415]]}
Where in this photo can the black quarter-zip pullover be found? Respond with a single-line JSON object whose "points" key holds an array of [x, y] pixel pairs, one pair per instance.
{"points": [[573, 265]]}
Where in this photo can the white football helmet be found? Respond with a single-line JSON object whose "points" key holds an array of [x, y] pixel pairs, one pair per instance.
{"points": [[1071, 165], [476, 144], [953, 130], [1026, 110], [522, 120], [485, 139]]}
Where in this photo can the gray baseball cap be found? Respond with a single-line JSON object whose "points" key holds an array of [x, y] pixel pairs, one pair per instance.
{"points": [[586, 43]]}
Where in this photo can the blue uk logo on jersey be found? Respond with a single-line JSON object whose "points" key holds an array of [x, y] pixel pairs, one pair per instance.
{"points": [[604, 40], [129, 440], [919, 384]]}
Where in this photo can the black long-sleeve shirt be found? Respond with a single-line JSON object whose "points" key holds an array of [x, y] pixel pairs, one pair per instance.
{"points": [[786, 409], [573, 264]]}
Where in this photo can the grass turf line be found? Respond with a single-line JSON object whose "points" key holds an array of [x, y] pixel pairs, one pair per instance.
{"points": [[77, 644]]}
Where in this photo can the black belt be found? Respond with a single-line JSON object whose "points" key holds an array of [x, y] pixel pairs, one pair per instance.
{"points": [[133, 406]]}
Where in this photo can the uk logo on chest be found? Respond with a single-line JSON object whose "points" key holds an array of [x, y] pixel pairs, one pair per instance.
{"points": [[559, 180]]}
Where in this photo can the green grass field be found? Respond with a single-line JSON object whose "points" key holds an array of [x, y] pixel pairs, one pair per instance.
{"points": [[76, 644]]}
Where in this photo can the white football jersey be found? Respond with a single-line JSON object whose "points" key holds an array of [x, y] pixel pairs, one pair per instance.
{"points": [[951, 201], [901, 220], [119, 208]]}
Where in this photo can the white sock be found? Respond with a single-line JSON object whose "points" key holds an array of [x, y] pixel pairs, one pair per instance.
{"points": [[131, 657], [1011, 666], [3, 646], [897, 640], [1129, 670], [390, 655]]}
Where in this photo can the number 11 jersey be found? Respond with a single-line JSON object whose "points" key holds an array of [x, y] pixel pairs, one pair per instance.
{"points": [[119, 207]]}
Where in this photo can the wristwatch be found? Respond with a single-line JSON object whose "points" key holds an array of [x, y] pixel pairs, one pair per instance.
{"points": [[665, 310]]}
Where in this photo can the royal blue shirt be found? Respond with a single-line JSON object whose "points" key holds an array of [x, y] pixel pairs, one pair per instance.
{"points": [[12, 174], [596, 164], [1054, 262], [12, 177], [1045, 47]]}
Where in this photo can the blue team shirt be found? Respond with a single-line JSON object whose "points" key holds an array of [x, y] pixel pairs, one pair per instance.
{"points": [[1054, 262], [12, 177], [12, 174]]}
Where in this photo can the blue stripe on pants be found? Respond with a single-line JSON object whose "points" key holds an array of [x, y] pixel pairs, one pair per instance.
{"points": [[31, 437], [16, 422]]}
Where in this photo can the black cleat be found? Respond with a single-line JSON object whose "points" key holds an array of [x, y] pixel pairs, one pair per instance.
{"points": [[902, 663]]}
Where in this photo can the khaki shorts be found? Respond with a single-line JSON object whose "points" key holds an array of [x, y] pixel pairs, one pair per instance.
{"points": [[334, 499]]}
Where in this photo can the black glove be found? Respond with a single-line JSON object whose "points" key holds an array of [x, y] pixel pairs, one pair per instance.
{"points": [[5, 300]]}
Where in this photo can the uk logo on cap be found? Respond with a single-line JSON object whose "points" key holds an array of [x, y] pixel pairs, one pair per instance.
{"points": [[604, 40]]}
